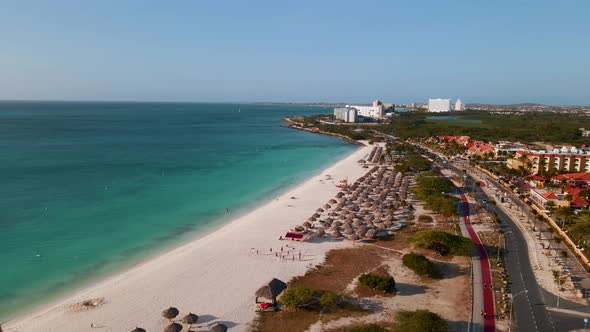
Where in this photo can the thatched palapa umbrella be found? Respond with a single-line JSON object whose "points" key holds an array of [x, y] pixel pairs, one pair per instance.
{"points": [[138, 329], [336, 234], [174, 327], [190, 319], [360, 233], [371, 234], [320, 232], [218, 328], [170, 313], [352, 237]]}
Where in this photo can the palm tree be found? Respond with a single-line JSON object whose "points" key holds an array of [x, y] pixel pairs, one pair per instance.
{"points": [[541, 168], [528, 167], [524, 160], [565, 213]]}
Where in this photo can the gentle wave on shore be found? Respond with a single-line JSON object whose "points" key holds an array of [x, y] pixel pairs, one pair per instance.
{"points": [[89, 188]]}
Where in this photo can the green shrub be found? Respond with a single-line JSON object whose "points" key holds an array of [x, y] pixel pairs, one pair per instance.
{"points": [[441, 242], [425, 218], [368, 328], [420, 321], [384, 284], [295, 296], [328, 299], [419, 264]]}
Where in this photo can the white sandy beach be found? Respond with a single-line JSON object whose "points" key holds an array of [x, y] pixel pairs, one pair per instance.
{"points": [[214, 276]]}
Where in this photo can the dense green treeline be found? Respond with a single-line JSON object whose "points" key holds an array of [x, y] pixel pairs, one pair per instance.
{"points": [[534, 127]]}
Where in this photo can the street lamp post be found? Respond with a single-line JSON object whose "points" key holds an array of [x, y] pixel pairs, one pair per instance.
{"points": [[512, 297], [558, 287], [499, 235]]}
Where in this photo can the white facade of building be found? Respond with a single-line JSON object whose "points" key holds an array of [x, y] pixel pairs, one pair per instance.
{"points": [[459, 105], [346, 114], [439, 105], [375, 111]]}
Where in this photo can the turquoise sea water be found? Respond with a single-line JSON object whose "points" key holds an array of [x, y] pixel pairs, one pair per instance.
{"points": [[89, 188]]}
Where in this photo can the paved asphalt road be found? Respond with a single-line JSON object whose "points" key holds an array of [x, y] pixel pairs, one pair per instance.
{"points": [[531, 302], [530, 306]]}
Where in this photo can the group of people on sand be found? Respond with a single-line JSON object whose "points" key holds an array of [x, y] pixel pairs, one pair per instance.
{"points": [[285, 253]]}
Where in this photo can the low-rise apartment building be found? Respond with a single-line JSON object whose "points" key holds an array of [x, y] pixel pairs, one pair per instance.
{"points": [[541, 197], [559, 160]]}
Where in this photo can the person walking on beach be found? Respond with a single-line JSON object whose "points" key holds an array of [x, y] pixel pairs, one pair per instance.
{"points": [[300, 255]]}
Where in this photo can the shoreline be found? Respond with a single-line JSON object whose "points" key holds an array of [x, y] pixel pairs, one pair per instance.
{"points": [[153, 252], [125, 289], [294, 125]]}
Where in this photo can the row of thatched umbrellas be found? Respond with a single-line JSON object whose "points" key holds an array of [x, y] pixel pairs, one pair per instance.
{"points": [[362, 210], [375, 155], [189, 319]]}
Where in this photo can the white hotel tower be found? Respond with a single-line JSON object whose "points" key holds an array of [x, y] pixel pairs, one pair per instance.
{"points": [[439, 105]]}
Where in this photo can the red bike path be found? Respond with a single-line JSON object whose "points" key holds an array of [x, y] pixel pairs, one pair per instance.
{"points": [[488, 296]]}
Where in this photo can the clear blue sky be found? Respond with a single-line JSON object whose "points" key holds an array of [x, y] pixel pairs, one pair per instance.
{"points": [[398, 51]]}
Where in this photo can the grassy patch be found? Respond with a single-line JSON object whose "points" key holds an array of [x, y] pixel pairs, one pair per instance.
{"points": [[425, 218], [340, 268], [300, 320], [318, 290], [441, 242], [431, 189], [419, 264], [413, 163], [363, 291], [420, 321], [375, 327], [385, 284]]}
